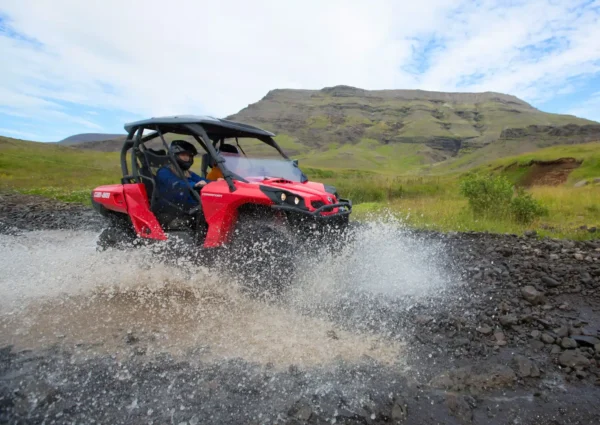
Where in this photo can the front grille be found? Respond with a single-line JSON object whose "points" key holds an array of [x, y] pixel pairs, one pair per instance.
{"points": [[317, 204]]}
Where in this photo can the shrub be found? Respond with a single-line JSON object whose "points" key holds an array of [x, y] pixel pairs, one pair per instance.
{"points": [[524, 209], [487, 195], [495, 197]]}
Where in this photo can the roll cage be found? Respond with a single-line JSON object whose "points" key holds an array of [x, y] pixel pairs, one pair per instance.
{"points": [[207, 134]]}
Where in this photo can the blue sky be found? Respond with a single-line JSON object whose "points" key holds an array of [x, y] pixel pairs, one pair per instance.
{"points": [[80, 67]]}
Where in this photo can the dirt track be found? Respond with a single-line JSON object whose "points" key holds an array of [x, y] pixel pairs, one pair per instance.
{"points": [[509, 334]]}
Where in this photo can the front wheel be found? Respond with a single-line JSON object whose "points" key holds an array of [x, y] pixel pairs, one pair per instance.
{"points": [[262, 256]]}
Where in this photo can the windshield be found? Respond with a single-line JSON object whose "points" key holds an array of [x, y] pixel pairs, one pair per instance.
{"points": [[261, 168]]}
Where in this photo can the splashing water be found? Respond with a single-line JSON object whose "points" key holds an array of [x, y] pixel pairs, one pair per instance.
{"points": [[382, 270], [55, 288]]}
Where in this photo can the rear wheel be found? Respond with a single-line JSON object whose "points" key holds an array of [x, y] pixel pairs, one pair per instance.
{"points": [[118, 234]]}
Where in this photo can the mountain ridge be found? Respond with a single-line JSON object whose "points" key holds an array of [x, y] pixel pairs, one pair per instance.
{"points": [[88, 138], [345, 126]]}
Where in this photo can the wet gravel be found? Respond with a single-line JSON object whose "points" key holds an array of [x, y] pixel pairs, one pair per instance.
{"points": [[517, 341]]}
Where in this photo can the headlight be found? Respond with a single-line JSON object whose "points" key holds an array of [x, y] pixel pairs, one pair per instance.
{"points": [[283, 196], [296, 200]]}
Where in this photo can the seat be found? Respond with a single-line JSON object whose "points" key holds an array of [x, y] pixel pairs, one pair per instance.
{"points": [[169, 216], [151, 160]]}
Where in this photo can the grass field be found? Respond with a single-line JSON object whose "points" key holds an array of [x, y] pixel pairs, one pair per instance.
{"points": [[426, 201], [55, 171], [569, 210]]}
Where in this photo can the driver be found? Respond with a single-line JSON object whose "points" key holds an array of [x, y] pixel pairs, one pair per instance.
{"points": [[170, 185]]}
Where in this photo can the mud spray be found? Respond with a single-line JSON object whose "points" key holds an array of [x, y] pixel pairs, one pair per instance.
{"points": [[55, 289]]}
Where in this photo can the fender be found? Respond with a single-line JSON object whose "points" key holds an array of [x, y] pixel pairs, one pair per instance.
{"points": [[220, 208], [130, 199]]}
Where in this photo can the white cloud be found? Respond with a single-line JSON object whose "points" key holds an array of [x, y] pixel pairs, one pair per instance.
{"points": [[153, 57], [27, 135]]}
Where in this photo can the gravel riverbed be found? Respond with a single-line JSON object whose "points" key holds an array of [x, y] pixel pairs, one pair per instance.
{"points": [[407, 327]]}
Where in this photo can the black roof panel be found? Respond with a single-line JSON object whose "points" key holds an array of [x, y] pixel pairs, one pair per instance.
{"points": [[198, 119]]}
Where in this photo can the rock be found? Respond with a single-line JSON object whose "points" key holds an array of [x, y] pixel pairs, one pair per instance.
{"points": [[535, 334], [530, 233], [562, 332], [423, 319], [573, 359], [478, 377], [399, 410], [585, 341], [547, 339], [523, 366], [530, 294], [568, 343], [130, 338], [508, 320], [459, 408], [596, 180], [578, 256], [555, 349], [535, 371], [581, 374], [498, 377], [536, 345], [485, 330], [574, 331], [462, 342], [500, 337], [581, 183], [550, 282]]}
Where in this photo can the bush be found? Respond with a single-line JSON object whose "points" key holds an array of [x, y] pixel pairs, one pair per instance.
{"points": [[524, 209], [487, 195], [495, 197]]}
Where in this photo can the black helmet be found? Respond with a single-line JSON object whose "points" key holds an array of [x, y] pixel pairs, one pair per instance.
{"points": [[181, 146]]}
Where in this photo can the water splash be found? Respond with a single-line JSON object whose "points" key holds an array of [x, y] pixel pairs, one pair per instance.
{"points": [[55, 288]]}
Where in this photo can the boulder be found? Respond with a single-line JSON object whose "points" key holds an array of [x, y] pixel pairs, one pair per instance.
{"points": [[547, 339], [585, 341], [522, 365], [573, 359], [581, 183], [532, 295], [508, 320], [567, 343], [485, 330], [459, 408], [562, 332], [550, 282]]}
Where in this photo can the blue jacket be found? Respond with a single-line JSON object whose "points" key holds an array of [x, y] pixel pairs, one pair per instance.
{"points": [[174, 189]]}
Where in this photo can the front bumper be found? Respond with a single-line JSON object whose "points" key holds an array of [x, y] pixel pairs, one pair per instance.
{"points": [[344, 207]]}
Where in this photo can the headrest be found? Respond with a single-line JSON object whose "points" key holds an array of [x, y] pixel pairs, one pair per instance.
{"points": [[156, 158], [225, 147]]}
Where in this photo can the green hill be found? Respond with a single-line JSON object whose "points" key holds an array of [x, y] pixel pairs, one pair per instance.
{"points": [[394, 129], [399, 130]]}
